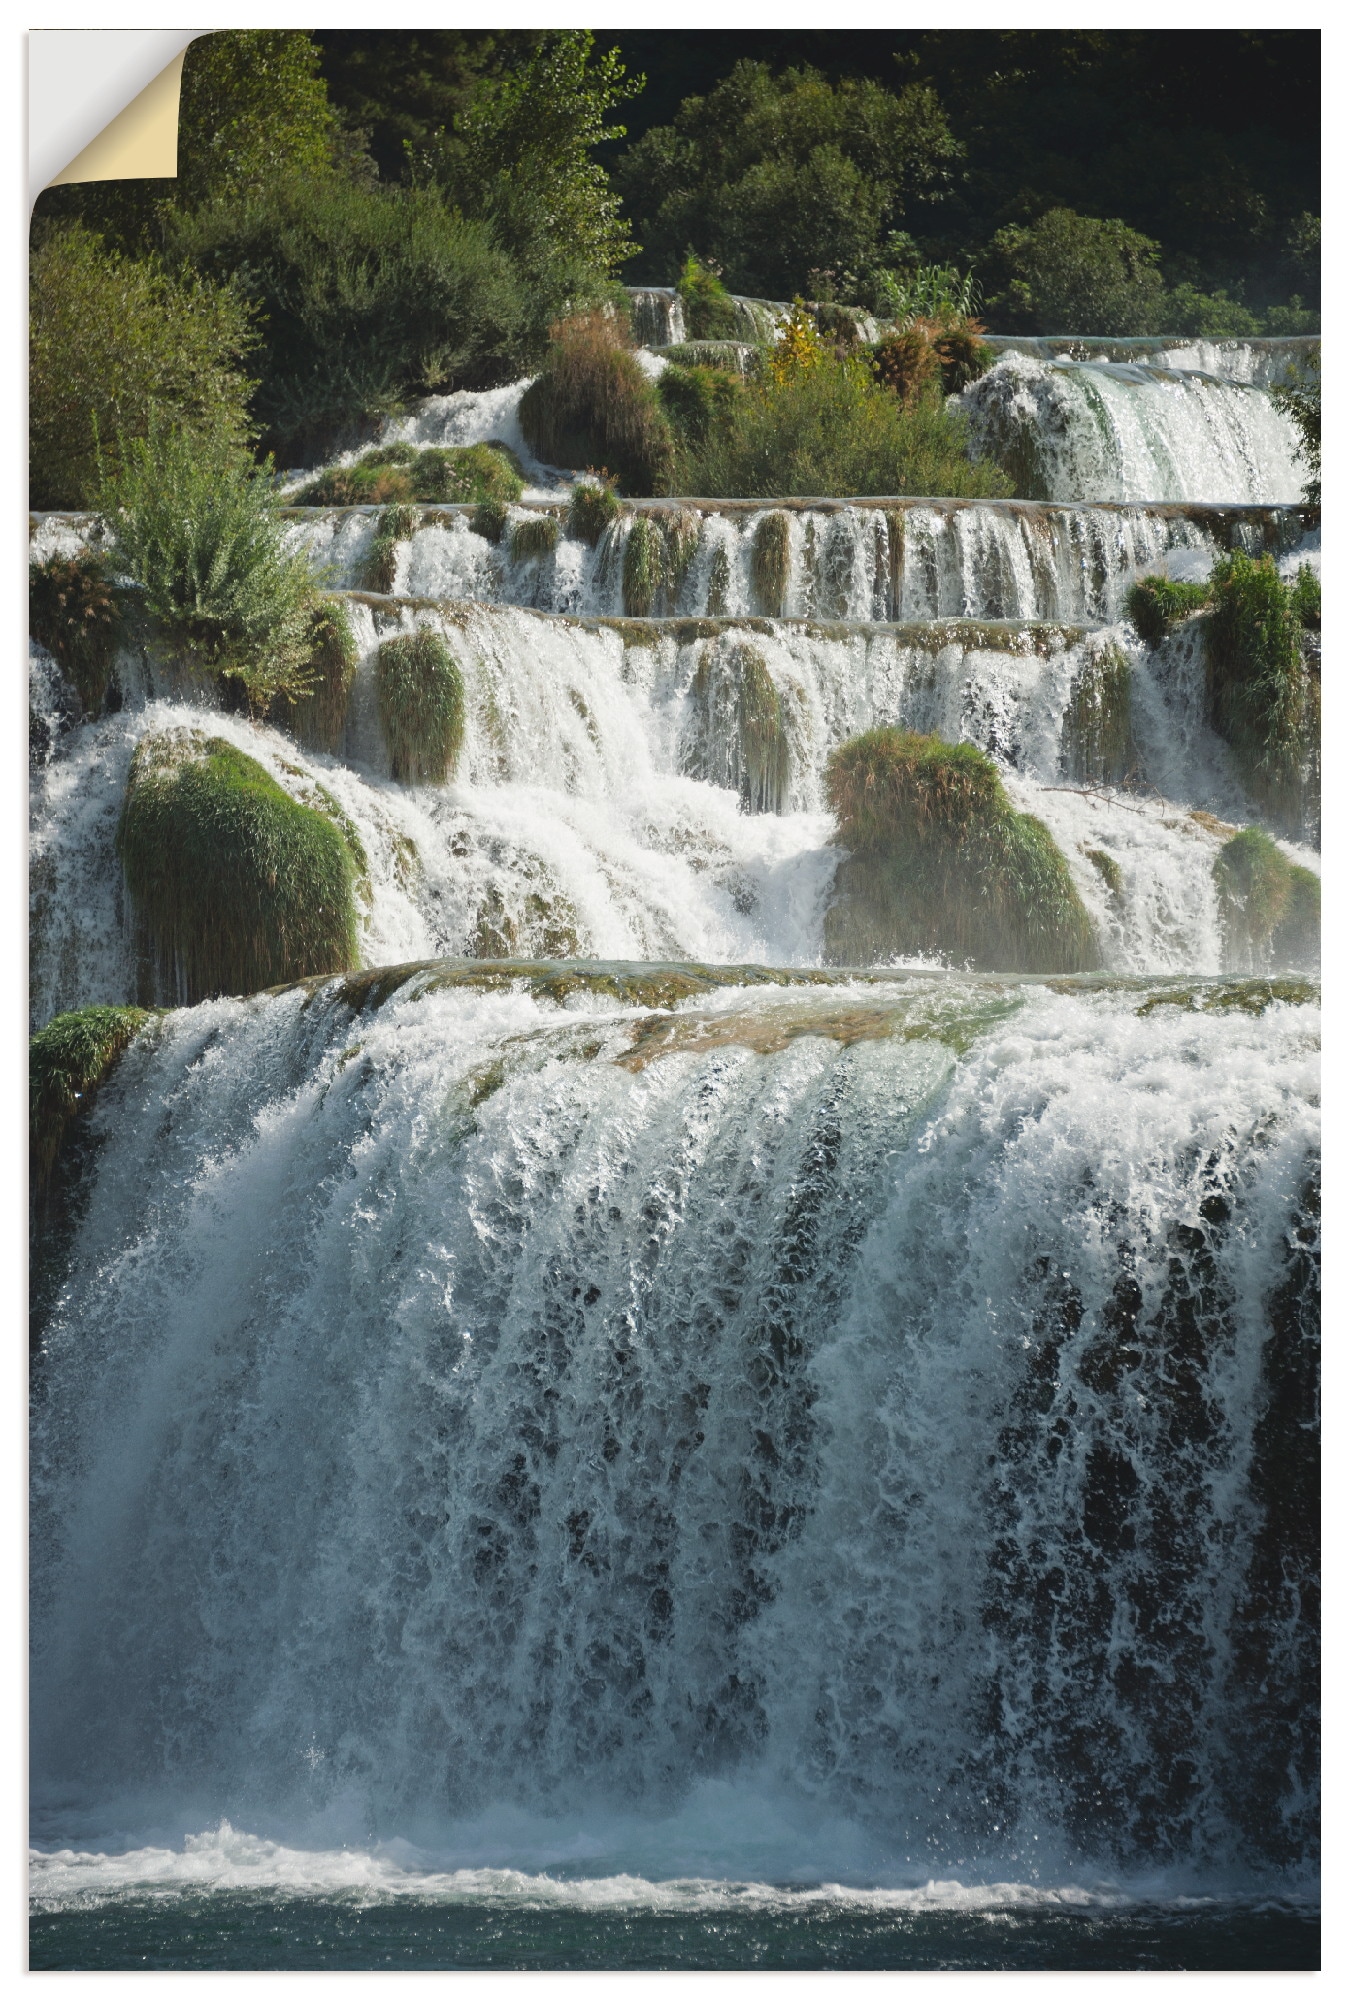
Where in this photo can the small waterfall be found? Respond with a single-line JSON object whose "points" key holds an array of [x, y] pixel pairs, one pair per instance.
{"points": [[1262, 362], [1070, 430]]}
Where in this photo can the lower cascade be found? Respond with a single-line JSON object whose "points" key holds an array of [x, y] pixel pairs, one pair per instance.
{"points": [[503, 1391]]}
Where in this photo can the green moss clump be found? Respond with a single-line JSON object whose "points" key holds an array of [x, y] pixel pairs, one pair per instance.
{"points": [[489, 520], [420, 692], [1097, 737], [535, 536], [770, 563], [67, 1061], [697, 399], [1271, 909], [682, 531], [1155, 604], [941, 863], [235, 885], [400, 472], [593, 506], [764, 761], [1107, 867], [710, 312], [75, 611], [396, 524], [1263, 699], [644, 566], [319, 717]]}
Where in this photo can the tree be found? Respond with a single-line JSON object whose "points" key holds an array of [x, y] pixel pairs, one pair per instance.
{"points": [[776, 177], [1077, 274], [114, 338]]}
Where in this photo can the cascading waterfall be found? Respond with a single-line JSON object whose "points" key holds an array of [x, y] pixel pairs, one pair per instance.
{"points": [[612, 1394]]}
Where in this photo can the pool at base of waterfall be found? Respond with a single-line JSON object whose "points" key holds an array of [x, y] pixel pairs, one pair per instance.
{"points": [[225, 1900]]}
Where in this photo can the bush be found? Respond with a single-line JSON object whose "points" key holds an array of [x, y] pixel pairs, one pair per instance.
{"points": [[1209, 315], [111, 341], [941, 863], [592, 405], [1155, 604], [828, 427], [75, 611], [1305, 595], [380, 569], [319, 717], [1271, 909], [420, 693], [1263, 701], [697, 400], [67, 1062], [195, 526], [1070, 273], [235, 885], [710, 312], [591, 509], [462, 473], [931, 353], [368, 294]]}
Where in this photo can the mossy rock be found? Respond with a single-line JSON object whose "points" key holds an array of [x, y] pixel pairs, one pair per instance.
{"points": [[396, 524], [402, 472], [941, 863], [534, 538], [420, 694], [1271, 908], [67, 1062], [1097, 736], [1155, 604], [739, 738], [490, 519], [1264, 698], [644, 566], [75, 611], [770, 563], [319, 719], [591, 510], [234, 884]]}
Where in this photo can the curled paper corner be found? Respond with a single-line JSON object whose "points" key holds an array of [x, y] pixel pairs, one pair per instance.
{"points": [[103, 104], [141, 143]]}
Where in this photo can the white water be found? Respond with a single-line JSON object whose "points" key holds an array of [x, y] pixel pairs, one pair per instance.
{"points": [[444, 1414], [1070, 430]]}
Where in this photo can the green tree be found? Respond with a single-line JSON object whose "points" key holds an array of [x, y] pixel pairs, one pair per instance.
{"points": [[112, 339], [1069, 273], [775, 177]]}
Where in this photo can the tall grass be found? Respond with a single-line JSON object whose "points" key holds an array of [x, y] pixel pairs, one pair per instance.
{"points": [[420, 694], [592, 407]]}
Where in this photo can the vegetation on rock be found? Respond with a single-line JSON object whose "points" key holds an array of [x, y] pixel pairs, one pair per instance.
{"points": [[75, 611], [1097, 735], [395, 524], [67, 1062], [534, 537], [1301, 399], [318, 718], [440, 473], [420, 693], [770, 562], [592, 405], [944, 352], [1271, 908], [235, 885], [594, 504], [1156, 603], [1264, 699], [710, 312], [940, 863]]}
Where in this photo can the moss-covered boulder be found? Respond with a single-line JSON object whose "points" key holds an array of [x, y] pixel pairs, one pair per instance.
{"points": [[420, 693], [1264, 691], [67, 1061], [941, 863], [394, 525], [235, 886], [534, 538], [394, 472], [1271, 908], [1156, 603], [771, 563]]}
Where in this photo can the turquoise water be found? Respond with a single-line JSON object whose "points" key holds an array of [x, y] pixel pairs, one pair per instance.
{"points": [[246, 1929]]}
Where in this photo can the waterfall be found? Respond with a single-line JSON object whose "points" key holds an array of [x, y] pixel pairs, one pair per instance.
{"points": [[489, 1397]]}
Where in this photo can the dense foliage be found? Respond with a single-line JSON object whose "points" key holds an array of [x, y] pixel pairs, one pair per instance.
{"points": [[445, 473], [75, 611], [194, 526], [113, 337], [593, 407], [1271, 908]]}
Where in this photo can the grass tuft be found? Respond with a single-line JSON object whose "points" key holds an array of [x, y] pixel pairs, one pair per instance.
{"points": [[235, 885], [941, 863], [420, 693], [535, 536], [319, 718], [593, 506], [591, 404], [1263, 699], [644, 566], [1155, 604], [396, 524]]}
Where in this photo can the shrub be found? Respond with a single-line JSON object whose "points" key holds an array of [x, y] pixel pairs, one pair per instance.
{"points": [[1210, 315], [195, 525], [67, 1062], [368, 295], [396, 524], [420, 693], [1302, 400], [1305, 594], [444, 473], [592, 405], [75, 611], [318, 718], [1262, 698], [696, 400], [1270, 908], [829, 427], [534, 537], [112, 340], [710, 312], [235, 885], [1155, 604], [591, 509], [926, 353], [942, 863], [1069, 273]]}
